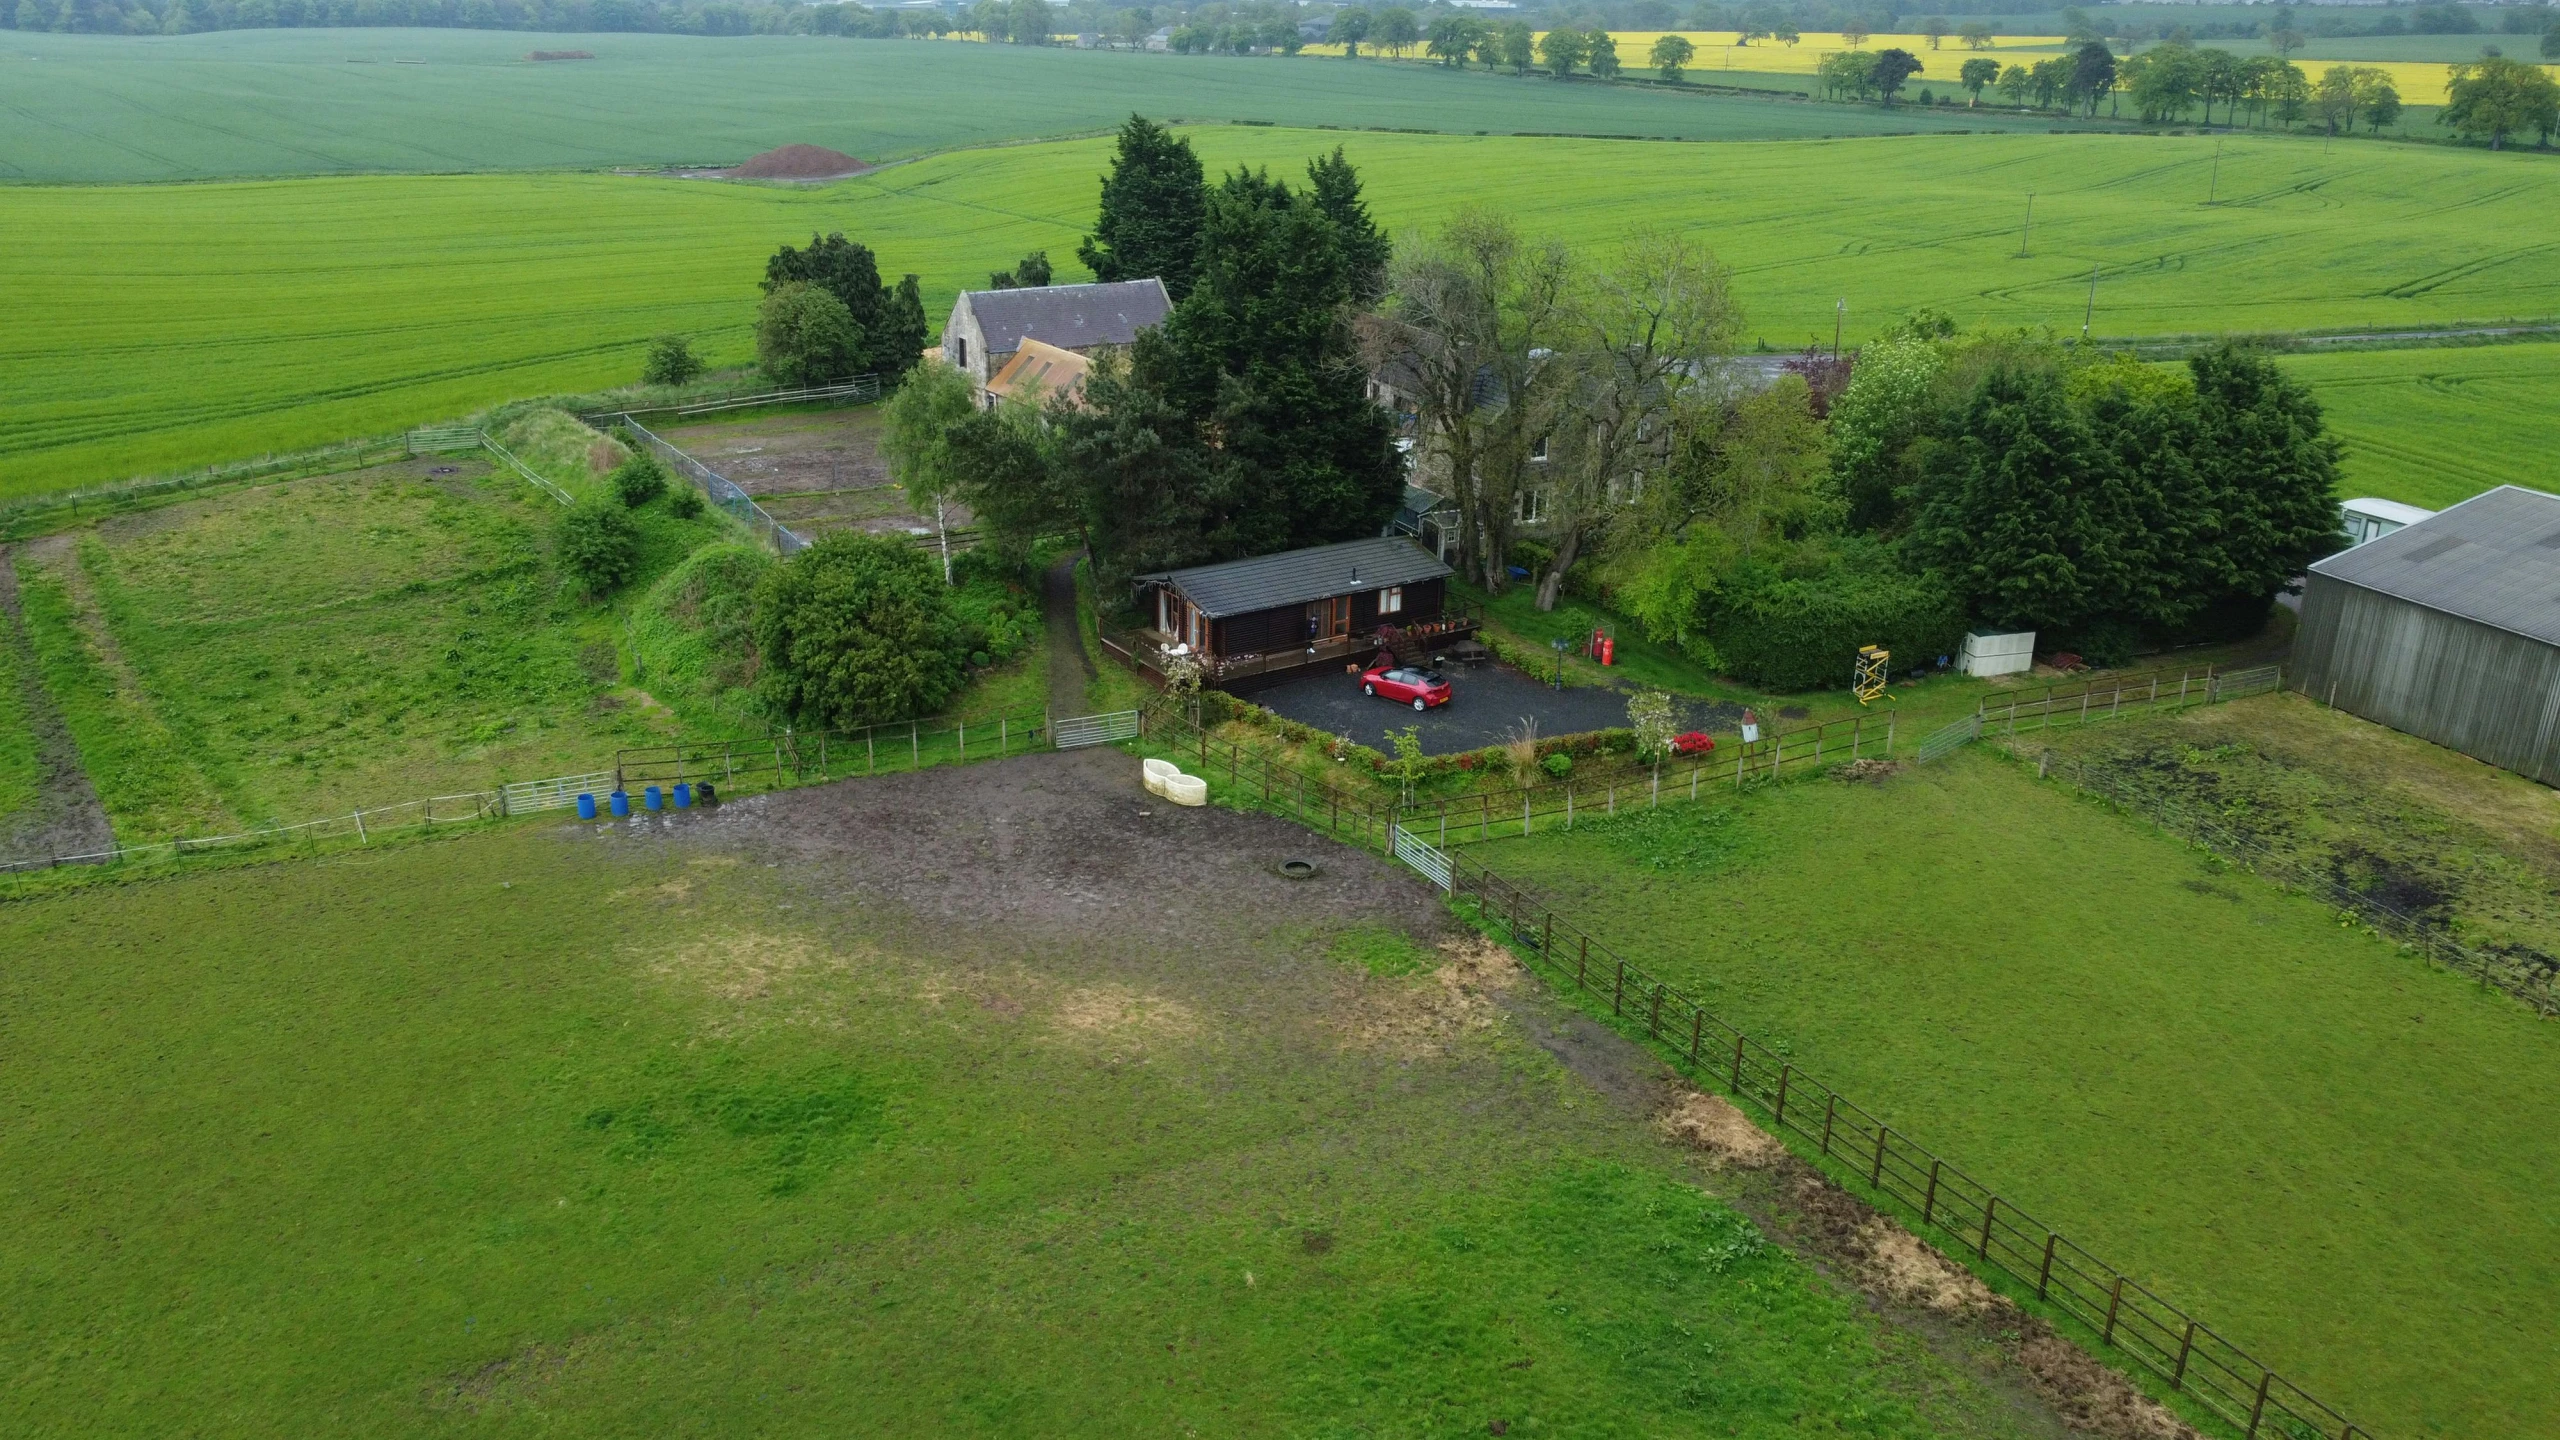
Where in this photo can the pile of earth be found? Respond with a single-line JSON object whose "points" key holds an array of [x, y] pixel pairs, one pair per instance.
{"points": [[800, 162]]}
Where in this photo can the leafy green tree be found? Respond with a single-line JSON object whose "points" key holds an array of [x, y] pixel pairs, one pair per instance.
{"points": [[1395, 30], [2333, 100], [1152, 203], [596, 545], [1335, 186], [805, 336], [851, 273], [1672, 54], [1350, 27], [1519, 48], [1893, 67], [2269, 468], [1453, 38], [856, 630], [1976, 74], [2093, 74], [2494, 98], [1887, 405], [1600, 52], [638, 480], [1936, 27], [902, 332], [2017, 85], [918, 422], [2005, 512], [671, 361], [1975, 34], [1030, 273], [1562, 49], [2377, 99]]}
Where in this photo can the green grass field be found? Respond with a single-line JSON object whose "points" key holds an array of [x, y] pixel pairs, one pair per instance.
{"points": [[612, 1135], [2432, 427], [297, 312], [287, 102], [2334, 1154]]}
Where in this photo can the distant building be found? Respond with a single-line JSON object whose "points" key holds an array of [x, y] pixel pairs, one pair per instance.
{"points": [[2448, 629], [1161, 41], [987, 326]]}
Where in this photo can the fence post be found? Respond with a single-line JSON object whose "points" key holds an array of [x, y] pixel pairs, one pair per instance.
{"points": [[1547, 942], [1983, 1250], [2115, 1299], [1929, 1202], [1830, 1108], [1786, 1073], [1653, 1025], [1697, 1029], [1582, 965], [2044, 1273], [1875, 1172], [1568, 805], [2258, 1407], [1736, 1083], [1888, 734], [870, 755], [964, 742], [1524, 814], [1618, 992], [915, 748], [2186, 1343]]}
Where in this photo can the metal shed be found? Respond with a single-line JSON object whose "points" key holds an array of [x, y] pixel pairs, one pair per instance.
{"points": [[2448, 629]]}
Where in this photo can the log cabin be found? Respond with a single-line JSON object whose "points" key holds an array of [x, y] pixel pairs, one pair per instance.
{"points": [[1273, 615]]}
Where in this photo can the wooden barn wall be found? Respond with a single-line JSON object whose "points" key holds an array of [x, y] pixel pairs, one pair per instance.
{"points": [[2486, 692]]}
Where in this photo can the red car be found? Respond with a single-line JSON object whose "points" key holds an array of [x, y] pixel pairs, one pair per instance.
{"points": [[1404, 684]]}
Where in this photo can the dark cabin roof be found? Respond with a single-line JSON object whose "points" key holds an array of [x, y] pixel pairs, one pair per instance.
{"points": [[1071, 317], [2494, 558], [1295, 577]]}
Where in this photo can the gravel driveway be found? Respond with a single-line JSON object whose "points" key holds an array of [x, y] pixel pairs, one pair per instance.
{"points": [[1485, 708]]}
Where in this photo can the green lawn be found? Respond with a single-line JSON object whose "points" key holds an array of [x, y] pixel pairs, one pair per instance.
{"points": [[301, 311], [2433, 427], [2337, 1156], [289, 102], [537, 1132], [21, 771]]}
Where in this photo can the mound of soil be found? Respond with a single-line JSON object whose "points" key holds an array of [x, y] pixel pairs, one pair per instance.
{"points": [[800, 162], [562, 55]]}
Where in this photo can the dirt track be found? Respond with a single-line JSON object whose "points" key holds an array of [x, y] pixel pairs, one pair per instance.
{"points": [[66, 818]]}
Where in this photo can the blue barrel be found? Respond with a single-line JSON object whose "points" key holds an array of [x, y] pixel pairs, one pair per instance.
{"points": [[684, 794], [586, 807], [653, 798], [621, 803]]}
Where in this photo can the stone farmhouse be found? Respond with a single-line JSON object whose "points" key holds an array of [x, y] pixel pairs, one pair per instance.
{"points": [[987, 327]]}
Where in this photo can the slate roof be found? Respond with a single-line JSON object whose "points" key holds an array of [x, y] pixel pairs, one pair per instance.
{"points": [[1071, 317], [2494, 558], [1295, 577]]}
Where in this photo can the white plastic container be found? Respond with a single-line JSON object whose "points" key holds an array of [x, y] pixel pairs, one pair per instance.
{"points": [[1988, 654], [1186, 790], [1156, 772]]}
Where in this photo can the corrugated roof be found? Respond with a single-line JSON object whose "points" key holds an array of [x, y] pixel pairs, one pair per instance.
{"points": [[2494, 558], [1295, 577], [1071, 317], [1042, 369]]}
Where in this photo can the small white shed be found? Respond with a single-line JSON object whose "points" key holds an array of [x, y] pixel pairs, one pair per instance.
{"points": [[1988, 654]]}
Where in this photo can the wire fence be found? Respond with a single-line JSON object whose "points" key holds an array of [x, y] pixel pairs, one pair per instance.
{"points": [[818, 756], [2010, 711], [33, 516], [726, 495], [1972, 1215], [490, 443], [859, 389]]}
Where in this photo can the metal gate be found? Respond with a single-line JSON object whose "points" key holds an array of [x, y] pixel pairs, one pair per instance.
{"points": [[1433, 863], [1076, 731], [1946, 742], [525, 797]]}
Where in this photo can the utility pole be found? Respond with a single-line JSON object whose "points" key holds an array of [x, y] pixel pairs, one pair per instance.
{"points": [[2215, 185], [2092, 310], [1839, 313], [2028, 229]]}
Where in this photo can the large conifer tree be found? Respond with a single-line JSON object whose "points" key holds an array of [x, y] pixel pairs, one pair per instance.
{"points": [[1152, 201]]}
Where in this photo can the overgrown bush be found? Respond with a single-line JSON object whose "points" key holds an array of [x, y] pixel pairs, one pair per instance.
{"points": [[671, 361], [685, 503], [998, 612], [638, 480], [597, 545], [855, 630], [693, 633]]}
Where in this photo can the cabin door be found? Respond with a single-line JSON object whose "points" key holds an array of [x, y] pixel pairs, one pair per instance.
{"points": [[1329, 619]]}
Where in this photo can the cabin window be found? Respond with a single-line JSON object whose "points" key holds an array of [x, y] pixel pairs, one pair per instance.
{"points": [[1391, 600], [1540, 452]]}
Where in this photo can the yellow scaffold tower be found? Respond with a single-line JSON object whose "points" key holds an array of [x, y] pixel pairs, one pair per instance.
{"points": [[1873, 667]]}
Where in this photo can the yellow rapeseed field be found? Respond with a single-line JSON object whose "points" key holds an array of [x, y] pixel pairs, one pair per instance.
{"points": [[2420, 82]]}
